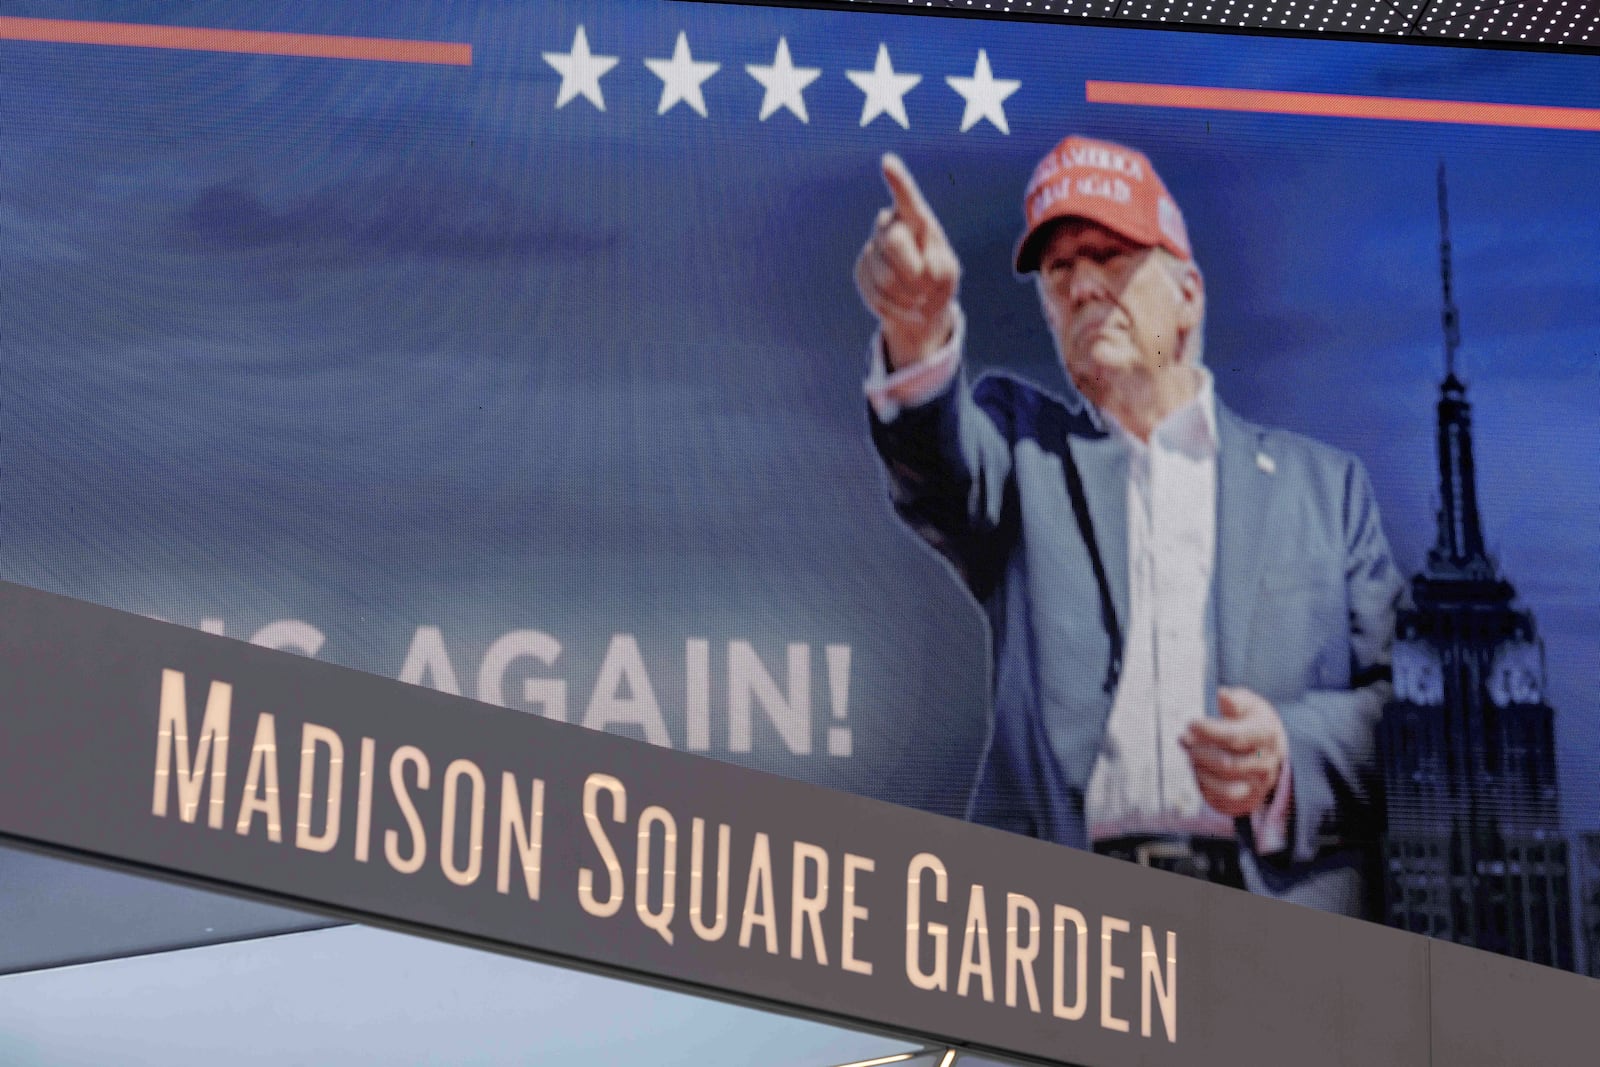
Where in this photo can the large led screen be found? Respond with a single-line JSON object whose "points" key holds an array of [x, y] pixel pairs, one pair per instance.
{"points": [[1175, 445]]}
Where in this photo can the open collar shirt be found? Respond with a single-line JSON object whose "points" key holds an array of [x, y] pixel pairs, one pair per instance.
{"points": [[1142, 781]]}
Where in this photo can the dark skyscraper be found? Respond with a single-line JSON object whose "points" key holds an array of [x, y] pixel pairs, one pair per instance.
{"points": [[1588, 853], [1473, 851]]}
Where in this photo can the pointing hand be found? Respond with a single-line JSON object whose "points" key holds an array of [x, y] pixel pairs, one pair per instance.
{"points": [[907, 272]]}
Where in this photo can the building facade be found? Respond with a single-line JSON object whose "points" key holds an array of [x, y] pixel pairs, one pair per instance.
{"points": [[1474, 851]]}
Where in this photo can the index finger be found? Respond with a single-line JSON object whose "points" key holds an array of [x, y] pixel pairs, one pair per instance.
{"points": [[909, 203]]}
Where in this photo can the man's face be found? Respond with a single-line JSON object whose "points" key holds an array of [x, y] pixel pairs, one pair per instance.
{"points": [[1120, 312]]}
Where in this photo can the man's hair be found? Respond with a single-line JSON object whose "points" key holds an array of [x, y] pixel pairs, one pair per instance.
{"points": [[1194, 346]]}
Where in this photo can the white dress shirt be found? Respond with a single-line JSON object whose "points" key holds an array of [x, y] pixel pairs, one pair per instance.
{"points": [[1142, 781]]}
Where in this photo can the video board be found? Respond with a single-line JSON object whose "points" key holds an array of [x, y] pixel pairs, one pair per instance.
{"points": [[1230, 506]]}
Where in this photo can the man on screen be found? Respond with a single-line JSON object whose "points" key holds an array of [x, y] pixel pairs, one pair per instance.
{"points": [[1191, 615]]}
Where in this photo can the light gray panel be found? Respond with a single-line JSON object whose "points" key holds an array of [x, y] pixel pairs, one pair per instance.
{"points": [[55, 912], [360, 997]]}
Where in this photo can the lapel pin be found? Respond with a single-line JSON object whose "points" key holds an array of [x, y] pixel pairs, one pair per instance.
{"points": [[1267, 464]]}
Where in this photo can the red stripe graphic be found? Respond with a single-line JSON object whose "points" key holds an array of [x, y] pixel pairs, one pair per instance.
{"points": [[1330, 105], [254, 42]]}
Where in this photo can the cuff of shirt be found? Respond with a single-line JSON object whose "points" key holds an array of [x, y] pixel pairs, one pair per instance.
{"points": [[890, 392], [1270, 825]]}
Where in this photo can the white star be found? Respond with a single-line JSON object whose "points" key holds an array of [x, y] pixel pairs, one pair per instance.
{"points": [[984, 94], [580, 71], [681, 78], [783, 82], [885, 90]]}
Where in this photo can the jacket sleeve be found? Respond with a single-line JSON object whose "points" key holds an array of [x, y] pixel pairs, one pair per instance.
{"points": [[949, 462], [1333, 732]]}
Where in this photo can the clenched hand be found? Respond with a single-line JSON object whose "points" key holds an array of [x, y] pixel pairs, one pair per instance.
{"points": [[1238, 758]]}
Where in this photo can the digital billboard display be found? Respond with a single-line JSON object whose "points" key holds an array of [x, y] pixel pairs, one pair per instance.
{"points": [[1175, 445]]}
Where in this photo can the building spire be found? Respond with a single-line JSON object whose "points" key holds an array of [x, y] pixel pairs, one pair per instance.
{"points": [[1452, 318], [1458, 553]]}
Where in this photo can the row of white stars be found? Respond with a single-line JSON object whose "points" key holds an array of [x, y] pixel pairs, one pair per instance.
{"points": [[784, 84]]}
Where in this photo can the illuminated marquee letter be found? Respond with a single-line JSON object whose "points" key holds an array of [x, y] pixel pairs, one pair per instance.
{"points": [[660, 921], [459, 769], [939, 977], [1164, 988], [602, 909], [369, 749], [853, 913], [1110, 972], [975, 946], [714, 930], [261, 782], [397, 782], [759, 909], [1058, 1004], [172, 735], [312, 737], [527, 833], [807, 908], [1020, 954]]}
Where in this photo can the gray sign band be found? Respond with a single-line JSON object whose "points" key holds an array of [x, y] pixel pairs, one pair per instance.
{"points": [[200, 757]]}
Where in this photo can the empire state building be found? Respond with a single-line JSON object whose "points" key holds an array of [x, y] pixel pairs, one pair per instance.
{"points": [[1473, 851]]}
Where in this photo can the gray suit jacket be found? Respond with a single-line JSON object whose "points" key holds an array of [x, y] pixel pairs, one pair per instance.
{"points": [[1303, 601]]}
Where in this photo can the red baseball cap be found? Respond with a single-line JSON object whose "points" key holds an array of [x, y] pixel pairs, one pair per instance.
{"points": [[1105, 183]]}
